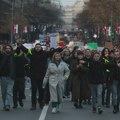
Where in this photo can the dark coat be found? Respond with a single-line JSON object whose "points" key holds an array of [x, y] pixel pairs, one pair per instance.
{"points": [[115, 72], [80, 83], [108, 63], [38, 63], [96, 72], [88, 61], [7, 65], [20, 66], [21, 63]]}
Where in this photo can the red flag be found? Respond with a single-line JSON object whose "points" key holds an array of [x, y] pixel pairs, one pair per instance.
{"points": [[48, 40], [15, 28], [61, 44], [117, 29], [106, 31]]}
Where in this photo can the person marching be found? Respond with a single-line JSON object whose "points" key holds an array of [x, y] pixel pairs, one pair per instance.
{"points": [[79, 81], [19, 83], [106, 59], [96, 82], [7, 75], [66, 58], [38, 65], [57, 72], [115, 81]]}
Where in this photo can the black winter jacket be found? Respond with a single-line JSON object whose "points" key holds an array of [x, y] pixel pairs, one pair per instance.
{"points": [[38, 63], [96, 72], [7, 65]]}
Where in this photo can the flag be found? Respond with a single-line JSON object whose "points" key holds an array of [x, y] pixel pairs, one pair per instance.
{"points": [[106, 31], [44, 29], [117, 28], [109, 31], [58, 39], [15, 28], [61, 44], [25, 29]]}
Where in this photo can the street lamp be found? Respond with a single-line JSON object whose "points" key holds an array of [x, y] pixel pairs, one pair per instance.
{"points": [[111, 24], [111, 17], [12, 19], [22, 7]]}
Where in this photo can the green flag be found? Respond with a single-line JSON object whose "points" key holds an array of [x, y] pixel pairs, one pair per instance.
{"points": [[92, 46]]}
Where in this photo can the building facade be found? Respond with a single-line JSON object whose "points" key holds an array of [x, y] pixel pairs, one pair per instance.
{"points": [[68, 17], [70, 13]]}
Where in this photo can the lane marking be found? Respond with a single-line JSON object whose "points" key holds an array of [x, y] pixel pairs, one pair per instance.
{"points": [[44, 112]]}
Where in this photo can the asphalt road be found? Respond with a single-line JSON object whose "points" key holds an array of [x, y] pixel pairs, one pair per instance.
{"points": [[68, 112]]}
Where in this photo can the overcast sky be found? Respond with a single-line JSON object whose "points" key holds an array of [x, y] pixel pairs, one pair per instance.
{"points": [[68, 2]]}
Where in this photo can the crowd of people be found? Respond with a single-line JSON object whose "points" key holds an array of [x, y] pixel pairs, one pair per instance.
{"points": [[87, 76]]}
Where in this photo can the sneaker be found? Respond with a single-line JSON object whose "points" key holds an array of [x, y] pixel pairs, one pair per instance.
{"points": [[7, 108], [115, 109], [54, 110], [21, 103], [64, 96], [76, 105], [41, 105], [100, 110]]}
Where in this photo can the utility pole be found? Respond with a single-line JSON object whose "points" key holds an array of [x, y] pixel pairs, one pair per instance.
{"points": [[22, 6], [111, 23], [12, 19]]}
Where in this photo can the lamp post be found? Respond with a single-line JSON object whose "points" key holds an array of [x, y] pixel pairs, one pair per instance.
{"points": [[111, 23], [112, 18], [12, 19], [22, 7]]}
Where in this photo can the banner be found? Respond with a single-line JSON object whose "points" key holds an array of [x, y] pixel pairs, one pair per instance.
{"points": [[54, 39], [109, 45], [92, 46], [53, 42], [16, 28]]}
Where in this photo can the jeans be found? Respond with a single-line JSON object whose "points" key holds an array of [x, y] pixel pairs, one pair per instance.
{"points": [[66, 87], [96, 91], [118, 100], [7, 91], [106, 94], [115, 92]]}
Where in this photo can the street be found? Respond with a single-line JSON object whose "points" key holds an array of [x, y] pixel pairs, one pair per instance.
{"points": [[58, 46], [68, 112]]}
